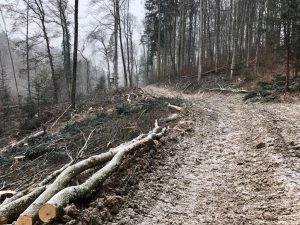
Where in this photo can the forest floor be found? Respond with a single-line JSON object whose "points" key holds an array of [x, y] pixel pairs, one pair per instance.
{"points": [[241, 166]]}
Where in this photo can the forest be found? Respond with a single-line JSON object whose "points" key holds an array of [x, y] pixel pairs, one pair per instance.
{"points": [[179, 39], [112, 109]]}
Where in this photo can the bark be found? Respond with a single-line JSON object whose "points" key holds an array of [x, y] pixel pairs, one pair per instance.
{"points": [[11, 58], [107, 59], [74, 80], [217, 41], [10, 211], [116, 21], [159, 45], [131, 59], [122, 48], [64, 179], [23, 141], [66, 44], [287, 39], [43, 183], [234, 45], [200, 42], [87, 72], [40, 14], [51, 210], [126, 24], [27, 52]]}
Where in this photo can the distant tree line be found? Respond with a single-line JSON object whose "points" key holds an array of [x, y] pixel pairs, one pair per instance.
{"points": [[34, 26], [189, 37], [181, 38]]}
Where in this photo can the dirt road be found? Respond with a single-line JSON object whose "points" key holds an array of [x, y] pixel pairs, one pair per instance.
{"points": [[241, 166]]}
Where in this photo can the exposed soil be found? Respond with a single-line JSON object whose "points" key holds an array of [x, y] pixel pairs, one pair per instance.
{"points": [[241, 166]]}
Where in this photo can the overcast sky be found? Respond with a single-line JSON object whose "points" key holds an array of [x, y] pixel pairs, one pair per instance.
{"points": [[85, 18], [87, 23], [136, 8]]}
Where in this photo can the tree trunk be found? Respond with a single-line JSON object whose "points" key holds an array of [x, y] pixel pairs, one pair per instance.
{"points": [[217, 57], [159, 45], [66, 45], [116, 21], [51, 210], [121, 46], [106, 56], [10, 211], [126, 23], [131, 59], [31, 213], [11, 58], [234, 39], [27, 52], [200, 41], [29, 216], [288, 52], [73, 92]]}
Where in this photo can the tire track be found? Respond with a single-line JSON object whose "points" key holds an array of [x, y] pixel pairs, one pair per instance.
{"points": [[241, 166]]}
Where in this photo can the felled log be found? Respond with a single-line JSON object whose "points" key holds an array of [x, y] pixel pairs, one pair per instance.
{"points": [[31, 213], [23, 141], [44, 182], [14, 197], [12, 207], [51, 210], [10, 211], [229, 90], [6, 194]]}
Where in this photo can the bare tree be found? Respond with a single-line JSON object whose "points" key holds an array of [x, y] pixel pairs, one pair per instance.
{"points": [[37, 7], [11, 57], [28, 52], [73, 91], [116, 30]]}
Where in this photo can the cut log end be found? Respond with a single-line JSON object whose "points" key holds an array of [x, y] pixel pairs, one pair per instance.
{"points": [[47, 213], [3, 220], [24, 220]]}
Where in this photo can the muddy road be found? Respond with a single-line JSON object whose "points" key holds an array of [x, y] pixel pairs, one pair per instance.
{"points": [[241, 166]]}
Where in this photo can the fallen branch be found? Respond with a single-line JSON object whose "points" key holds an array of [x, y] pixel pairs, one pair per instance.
{"points": [[60, 117], [44, 182], [82, 150], [51, 210], [172, 118], [6, 194], [227, 90], [23, 141], [178, 108], [31, 213], [10, 211], [13, 198]]}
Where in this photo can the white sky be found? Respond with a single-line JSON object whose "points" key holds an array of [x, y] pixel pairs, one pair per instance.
{"points": [[85, 18], [87, 23], [136, 8]]}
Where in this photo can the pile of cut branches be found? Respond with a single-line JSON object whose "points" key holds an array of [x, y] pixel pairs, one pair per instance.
{"points": [[115, 119], [46, 200]]}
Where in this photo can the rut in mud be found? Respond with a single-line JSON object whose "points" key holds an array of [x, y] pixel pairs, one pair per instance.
{"points": [[241, 166]]}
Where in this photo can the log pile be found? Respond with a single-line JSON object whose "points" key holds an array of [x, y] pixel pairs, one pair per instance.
{"points": [[49, 197]]}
